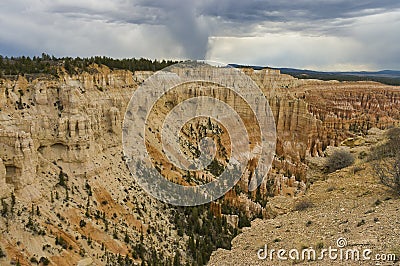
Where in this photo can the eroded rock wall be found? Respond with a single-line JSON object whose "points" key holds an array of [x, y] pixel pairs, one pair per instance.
{"points": [[60, 120], [311, 115], [69, 118]]}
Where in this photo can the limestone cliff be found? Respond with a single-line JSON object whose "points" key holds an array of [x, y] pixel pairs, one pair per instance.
{"points": [[60, 150], [69, 127], [65, 120], [310, 116]]}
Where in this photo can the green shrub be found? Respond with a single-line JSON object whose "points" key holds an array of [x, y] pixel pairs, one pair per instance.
{"points": [[303, 205], [363, 155], [62, 242], [82, 223], [338, 160], [2, 254], [44, 260], [244, 221]]}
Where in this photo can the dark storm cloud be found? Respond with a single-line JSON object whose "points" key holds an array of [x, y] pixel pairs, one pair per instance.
{"points": [[179, 18], [255, 17], [309, 17], [192, 29], [183, 22], [299, 10], [191, 22]]}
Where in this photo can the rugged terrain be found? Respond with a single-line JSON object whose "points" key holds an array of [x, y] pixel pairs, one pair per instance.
{"points": [[350, 203], [68, 198]]}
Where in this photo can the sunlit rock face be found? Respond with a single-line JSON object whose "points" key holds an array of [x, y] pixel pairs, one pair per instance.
{"points": [[69, 118], [60, 120], [71, 126], [311, 115]]}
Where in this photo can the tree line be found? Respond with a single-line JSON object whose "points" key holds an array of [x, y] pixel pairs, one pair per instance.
{"points": [[46, 64]]}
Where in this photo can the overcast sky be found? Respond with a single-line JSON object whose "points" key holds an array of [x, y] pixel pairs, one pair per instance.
{"points": [[313, 34]]}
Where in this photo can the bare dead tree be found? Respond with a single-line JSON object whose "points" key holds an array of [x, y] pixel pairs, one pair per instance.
{"points": [[388, 171], [385, 160]]}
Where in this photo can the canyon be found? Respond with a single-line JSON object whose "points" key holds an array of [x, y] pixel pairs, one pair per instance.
{"points": [[60, 137]]}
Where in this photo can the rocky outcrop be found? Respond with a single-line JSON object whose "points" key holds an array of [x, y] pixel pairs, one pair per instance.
{"points": [[63, 120], [69, 118], [61, 155], [18, 158], [5, 189], [311, 115], [339, 207], [68, 129]]}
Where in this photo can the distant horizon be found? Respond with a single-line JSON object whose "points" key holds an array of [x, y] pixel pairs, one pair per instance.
{"points": [[184, 59]]}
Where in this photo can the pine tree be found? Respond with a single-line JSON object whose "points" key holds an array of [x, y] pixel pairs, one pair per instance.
{"points": [[61, 177], [66, 194], [87, 207], [4, 211], [126, 238], [12, 202], [115, 233], [177, 259]]}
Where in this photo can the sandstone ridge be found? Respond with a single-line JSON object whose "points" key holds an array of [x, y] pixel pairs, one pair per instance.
{"points": [[68, 129]]}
